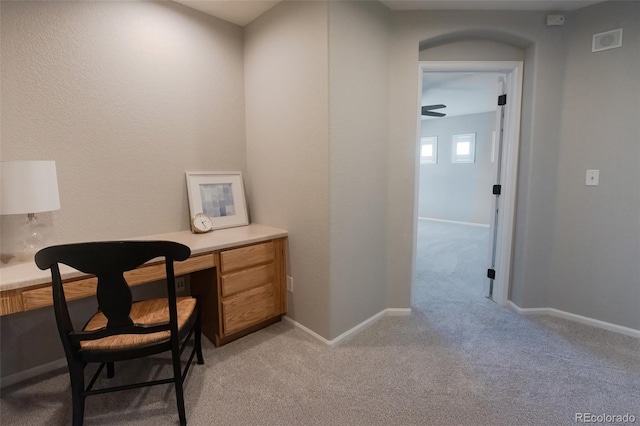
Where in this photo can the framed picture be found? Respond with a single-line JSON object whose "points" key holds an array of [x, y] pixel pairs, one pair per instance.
{"points": [[219, 195]]}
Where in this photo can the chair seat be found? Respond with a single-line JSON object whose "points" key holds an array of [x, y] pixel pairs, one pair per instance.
{"points": [[150, 311]]}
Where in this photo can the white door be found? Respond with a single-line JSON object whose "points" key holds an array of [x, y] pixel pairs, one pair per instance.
{"points": [[496, 156]]}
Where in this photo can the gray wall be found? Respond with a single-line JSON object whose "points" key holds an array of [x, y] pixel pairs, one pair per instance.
{"points": [[287, 87], [471, 50], [543, 48], [359, 98], [459, 192], [573, 119], [316, 138], [125, 96], [596, 250]]}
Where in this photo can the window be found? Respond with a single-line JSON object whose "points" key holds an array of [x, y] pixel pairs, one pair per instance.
{"points": [[463, 148], [429, 150]]}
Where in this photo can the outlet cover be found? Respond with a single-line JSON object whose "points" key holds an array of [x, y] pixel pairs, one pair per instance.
{"points": [[180, 285]]}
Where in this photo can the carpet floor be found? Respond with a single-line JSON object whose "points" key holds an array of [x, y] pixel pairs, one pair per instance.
{"points": [[458, 359]]}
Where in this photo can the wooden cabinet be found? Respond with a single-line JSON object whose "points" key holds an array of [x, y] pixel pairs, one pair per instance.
{"points": [[250, 291], [41, 295], [238, 274]]}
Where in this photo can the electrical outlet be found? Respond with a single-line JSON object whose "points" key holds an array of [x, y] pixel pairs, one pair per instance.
{"points": [[289, 284], [180, 285], [593, 178]]}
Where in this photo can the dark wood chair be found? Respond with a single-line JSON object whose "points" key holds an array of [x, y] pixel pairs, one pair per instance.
{"points": [[122, 329]]}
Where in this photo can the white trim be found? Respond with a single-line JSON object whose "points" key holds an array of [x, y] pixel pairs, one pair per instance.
{"points": [[508, 197], [482, 225], [397, 312], [507, 200], [528, 311], [577, 318], [354, 330], [307, 330], [21, 376]]}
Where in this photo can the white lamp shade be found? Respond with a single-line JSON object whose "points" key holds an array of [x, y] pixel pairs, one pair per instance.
{"points": [[28, 187]]}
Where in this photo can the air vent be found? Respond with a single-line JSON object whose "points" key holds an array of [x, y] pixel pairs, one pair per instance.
{"points": [[607, 40]]}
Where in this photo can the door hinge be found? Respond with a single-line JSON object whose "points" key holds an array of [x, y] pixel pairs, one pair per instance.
{"points": [[491, 273], [502, 100], [497, 189]]}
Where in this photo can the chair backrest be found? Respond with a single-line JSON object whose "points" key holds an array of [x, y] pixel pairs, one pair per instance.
{"points": [[108, 261]]}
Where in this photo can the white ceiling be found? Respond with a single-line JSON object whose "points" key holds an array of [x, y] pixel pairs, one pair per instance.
{"points": [[462, 93], [241, 12]]}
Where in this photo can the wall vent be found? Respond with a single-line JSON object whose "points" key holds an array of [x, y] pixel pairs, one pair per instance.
{"points": [[607, 40]]}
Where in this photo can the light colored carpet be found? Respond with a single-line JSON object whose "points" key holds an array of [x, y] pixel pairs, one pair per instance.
{"points": [[458, 359]]}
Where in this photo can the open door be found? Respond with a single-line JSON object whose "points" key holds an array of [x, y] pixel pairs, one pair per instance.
{"points": [[506, 170], [496, 189]]}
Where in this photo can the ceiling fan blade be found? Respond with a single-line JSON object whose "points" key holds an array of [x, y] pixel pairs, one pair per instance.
{"points": [[433, 114], [426, 110], [437, 106]]}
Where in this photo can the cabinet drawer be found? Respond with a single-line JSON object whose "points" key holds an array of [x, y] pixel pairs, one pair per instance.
{"points": [[38, 298], [248, 308], [11, 302], [231, 260], [247, 279]]}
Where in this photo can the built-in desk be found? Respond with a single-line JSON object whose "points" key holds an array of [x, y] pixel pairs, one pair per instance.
{"points": [[238, 273]]}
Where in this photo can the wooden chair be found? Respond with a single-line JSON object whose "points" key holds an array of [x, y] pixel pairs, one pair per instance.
{"points": [[121, 329]]}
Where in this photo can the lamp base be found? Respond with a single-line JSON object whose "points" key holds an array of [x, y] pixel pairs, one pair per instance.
{"points": [[33, 240], [28, 237], [24, 235]]}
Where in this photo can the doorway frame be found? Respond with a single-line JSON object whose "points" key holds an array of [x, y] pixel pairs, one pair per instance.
{"points": [[511, 146]]}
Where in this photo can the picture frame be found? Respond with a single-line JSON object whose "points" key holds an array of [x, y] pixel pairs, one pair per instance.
{"points": [[219, 195]]}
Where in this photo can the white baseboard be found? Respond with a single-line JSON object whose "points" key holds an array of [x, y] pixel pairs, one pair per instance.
{"points": [[32, 372], [577, 318], [481, 225], [354, 330], [397, 311]]}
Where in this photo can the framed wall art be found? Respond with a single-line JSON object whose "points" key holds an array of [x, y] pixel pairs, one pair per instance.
{"points": [[219, 195]]}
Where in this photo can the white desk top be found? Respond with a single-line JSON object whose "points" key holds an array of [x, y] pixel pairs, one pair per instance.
{"points": [[18, 275]]}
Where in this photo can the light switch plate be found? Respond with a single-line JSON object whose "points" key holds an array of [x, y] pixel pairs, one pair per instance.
{"points": [[593, 178]]}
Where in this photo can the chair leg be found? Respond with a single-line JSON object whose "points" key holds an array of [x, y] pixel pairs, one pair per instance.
{"points": [[76, 372], [198, 341], [177, 377], [111, 371]]}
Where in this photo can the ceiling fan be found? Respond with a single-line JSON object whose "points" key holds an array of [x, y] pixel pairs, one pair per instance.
{"points": [[427, 110]]}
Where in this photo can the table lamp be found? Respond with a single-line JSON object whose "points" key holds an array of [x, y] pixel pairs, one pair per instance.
{"points": [[28, 187]]}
